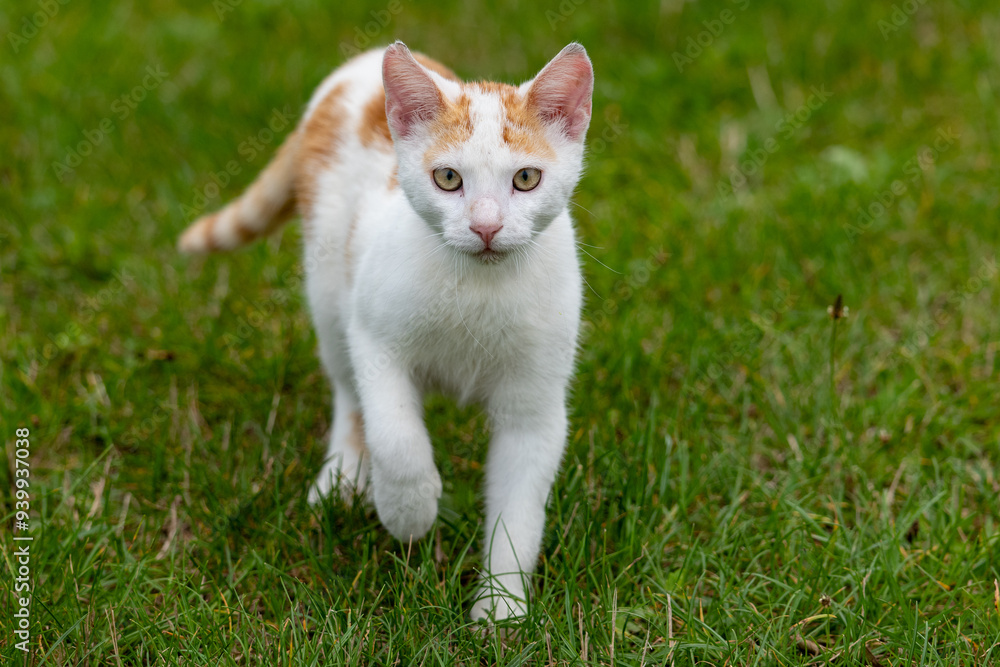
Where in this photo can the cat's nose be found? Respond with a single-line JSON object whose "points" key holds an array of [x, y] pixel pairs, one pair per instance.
{"points": [[486, 219], [486, 231]]}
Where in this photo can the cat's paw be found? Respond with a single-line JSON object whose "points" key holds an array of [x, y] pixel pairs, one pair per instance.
{"points": [[407, 507], [493, 606]]}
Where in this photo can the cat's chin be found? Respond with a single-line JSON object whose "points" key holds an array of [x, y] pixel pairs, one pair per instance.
{"points": [[490, 256]]}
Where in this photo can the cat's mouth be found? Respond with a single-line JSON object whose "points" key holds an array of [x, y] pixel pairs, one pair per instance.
{"points": [[489, 255]]}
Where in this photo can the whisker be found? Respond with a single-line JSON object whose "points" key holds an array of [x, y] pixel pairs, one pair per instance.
{"points": [[583, 207], [458, 303], [409, 257], [592, 289], [601, 263], [548, 251]]}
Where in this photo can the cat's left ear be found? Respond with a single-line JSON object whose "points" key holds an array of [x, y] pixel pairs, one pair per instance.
{"points": [[562, 91], [411, 96]]}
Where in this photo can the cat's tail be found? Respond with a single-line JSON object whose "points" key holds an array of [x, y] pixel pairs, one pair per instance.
{"points": [[263, 207]]}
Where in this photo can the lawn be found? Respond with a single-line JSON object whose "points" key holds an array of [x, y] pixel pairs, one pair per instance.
{"points": [[749, 480]]}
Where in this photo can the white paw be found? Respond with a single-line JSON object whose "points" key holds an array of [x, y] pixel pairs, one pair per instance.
{"points": [[333, 477], [492, 606], [407, 507]]}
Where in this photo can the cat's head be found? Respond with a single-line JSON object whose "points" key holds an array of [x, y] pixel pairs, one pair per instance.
{"points": [[487, 164]]}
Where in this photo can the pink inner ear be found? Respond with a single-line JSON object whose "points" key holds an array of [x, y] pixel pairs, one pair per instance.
{"points": [[562, 91], [411, 96]]}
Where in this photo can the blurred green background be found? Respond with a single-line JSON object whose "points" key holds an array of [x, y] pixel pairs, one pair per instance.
{"points": [[748, 481]]}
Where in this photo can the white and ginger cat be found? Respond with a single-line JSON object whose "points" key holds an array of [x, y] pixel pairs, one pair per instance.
{"points": [[440, 255]]}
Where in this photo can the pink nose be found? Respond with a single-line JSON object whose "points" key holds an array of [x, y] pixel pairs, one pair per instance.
{"points": [[486, 231], [486, 219]]}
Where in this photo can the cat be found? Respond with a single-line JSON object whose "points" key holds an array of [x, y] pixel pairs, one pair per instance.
{"points": [[439, 255]]}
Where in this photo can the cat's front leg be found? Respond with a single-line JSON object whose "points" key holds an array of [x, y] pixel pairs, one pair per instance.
{"points": [[525, 452], [405, 483]]}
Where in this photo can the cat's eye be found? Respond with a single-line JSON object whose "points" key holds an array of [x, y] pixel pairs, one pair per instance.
{"points": [[447, 179], [527, 179]]}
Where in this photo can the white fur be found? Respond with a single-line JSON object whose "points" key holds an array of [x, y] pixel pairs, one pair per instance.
{"points": [[424, 312]]}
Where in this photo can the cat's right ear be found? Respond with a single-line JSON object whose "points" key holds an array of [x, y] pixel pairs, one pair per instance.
{"points": [[411, 96], [562, 91]]}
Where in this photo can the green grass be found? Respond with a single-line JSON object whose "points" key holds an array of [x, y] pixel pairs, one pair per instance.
{"points": [[716, 475]]}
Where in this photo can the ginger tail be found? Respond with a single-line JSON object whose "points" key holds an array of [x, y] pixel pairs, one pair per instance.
{"points": [[268, 203]]}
